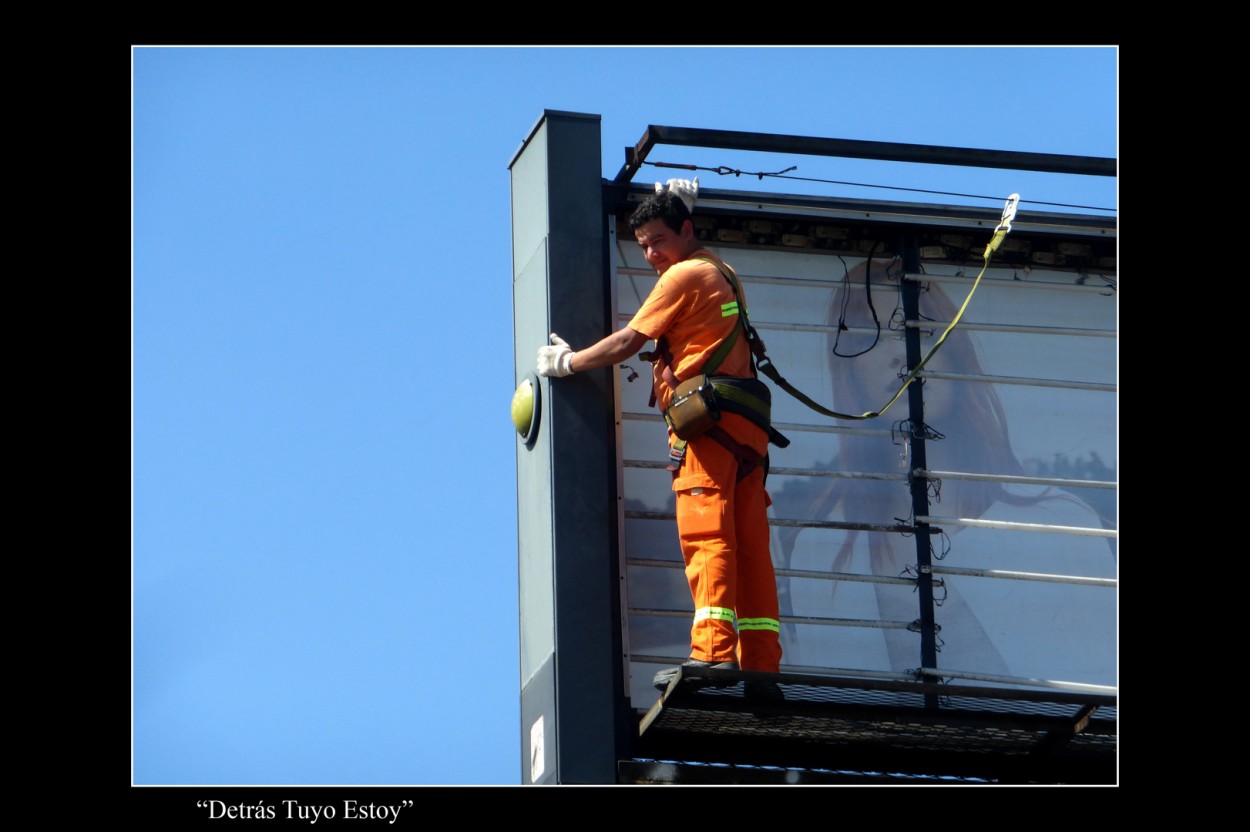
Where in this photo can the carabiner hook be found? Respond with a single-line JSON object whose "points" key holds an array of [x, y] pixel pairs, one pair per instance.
{"points": [[1009, 213], [1004, 225]]}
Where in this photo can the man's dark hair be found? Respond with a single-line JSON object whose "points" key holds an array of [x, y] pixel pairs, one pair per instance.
{"points": [[662, 206]]}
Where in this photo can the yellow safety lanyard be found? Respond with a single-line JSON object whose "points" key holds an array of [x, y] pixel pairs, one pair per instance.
{"points": [[765, 364]]}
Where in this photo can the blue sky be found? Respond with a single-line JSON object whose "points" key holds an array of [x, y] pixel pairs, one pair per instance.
{"points": [[323, 468]]}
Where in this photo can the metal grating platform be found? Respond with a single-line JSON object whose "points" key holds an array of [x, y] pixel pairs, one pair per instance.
{"points": [[705, 729]]}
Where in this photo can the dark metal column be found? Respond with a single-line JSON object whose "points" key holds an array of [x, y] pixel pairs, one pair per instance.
{"points": [[919, 486], [572, 705]]}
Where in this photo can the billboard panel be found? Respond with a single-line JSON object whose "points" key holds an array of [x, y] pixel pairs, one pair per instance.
{"points": [[1019, 427]]}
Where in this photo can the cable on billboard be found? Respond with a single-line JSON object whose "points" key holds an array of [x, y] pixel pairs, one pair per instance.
{"points": [[765, 365]]}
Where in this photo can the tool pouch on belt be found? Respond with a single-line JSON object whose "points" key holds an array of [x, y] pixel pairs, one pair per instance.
{"points": [[693, 408]]}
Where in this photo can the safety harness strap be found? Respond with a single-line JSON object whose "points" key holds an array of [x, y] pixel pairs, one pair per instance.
{"points": [[662, 353], [748, 460]]}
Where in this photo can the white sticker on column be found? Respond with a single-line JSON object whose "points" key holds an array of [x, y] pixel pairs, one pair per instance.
{"points": [[537, 756]]}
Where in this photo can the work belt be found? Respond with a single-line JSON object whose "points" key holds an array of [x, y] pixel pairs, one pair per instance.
{"points": [[709, 396], [751, 398]]}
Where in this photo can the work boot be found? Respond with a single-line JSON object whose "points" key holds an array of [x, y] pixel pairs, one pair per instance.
{"points": [[764, 693], [668, 674]]}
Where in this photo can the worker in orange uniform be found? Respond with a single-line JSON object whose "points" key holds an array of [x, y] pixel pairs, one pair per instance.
{"points": [[722, 519]]}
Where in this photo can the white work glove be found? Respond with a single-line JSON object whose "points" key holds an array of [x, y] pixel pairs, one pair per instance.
{"points": [[555, 360], [686, 189]]}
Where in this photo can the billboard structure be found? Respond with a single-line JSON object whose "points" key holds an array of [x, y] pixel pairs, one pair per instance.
{"points": [[965, 539]]}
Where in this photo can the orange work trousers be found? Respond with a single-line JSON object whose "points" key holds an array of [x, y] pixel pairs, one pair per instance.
{"points": [[722, 523]]}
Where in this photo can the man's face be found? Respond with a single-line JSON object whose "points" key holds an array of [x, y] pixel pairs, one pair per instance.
{"points": [[662, 246]]}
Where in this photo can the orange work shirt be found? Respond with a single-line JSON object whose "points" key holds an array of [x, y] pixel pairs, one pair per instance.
{"points": [[691, 309]]}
